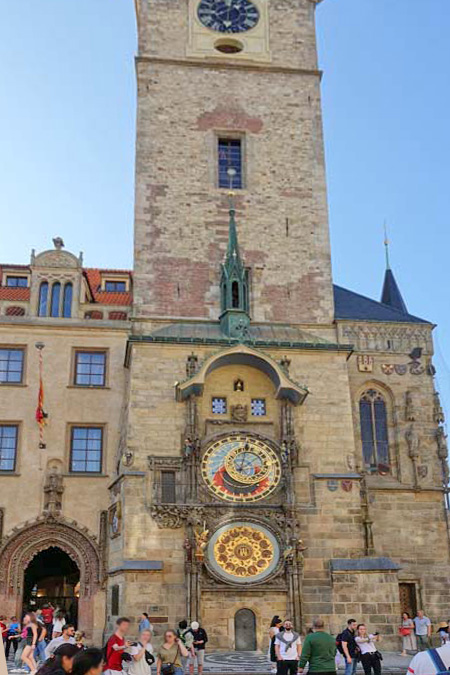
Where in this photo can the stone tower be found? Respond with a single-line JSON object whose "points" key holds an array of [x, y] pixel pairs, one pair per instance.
{"points": [[222, 85]]}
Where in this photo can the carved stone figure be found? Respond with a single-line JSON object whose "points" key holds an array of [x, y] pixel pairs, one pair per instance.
{"points": [[438, 412], [410, 406], [201, 541], [239, 413], [53, 491], [191, 364], [127, 458], [442, 443], [413, 441], [239, 385], [115, 520]]}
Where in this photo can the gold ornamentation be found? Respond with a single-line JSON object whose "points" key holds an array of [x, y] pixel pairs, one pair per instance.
{"points": [[241, 468], [244, 552]]}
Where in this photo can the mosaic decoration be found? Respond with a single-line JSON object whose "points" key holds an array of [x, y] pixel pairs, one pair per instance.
{"points": [[241, 468], [243, 552]]}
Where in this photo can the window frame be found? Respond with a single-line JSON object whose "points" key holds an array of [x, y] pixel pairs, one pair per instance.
{"points": [[88, 350], [17, 425], [173, 473], [224, 398], [254, 399], [227, 136], [373, 469], [23, 349], [17, 276], [90, 425], [110, 278]]}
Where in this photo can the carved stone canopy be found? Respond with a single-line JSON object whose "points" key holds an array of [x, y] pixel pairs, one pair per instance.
{"points": [[243, 355]]}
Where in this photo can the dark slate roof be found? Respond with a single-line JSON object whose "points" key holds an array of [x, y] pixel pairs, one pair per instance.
{"points": [[353, 306], [390, 294]]}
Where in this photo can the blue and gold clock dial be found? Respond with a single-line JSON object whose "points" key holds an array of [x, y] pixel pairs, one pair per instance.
{"points": [[241, 468], [228, 16]]}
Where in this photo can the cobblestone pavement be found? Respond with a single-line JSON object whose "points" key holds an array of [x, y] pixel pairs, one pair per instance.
{"points": [[256, 663]]}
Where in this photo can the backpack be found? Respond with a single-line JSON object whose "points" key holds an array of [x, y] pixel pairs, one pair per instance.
{"points": [[339, 644], [440, 666]]}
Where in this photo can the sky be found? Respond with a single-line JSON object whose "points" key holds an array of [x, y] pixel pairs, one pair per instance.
{"points": [[67, 132]]}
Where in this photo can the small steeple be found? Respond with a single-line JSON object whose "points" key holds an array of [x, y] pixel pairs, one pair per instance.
{"points": [[390, 294], [234, 318]]}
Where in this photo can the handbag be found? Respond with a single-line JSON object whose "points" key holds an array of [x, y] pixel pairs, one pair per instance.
{"points": [[405, 631], [169, 668], [379, 655]]}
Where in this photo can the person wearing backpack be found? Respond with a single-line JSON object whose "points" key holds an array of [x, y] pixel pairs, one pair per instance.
{"points": [[346, 644], [431, 661], [288, 648], [274, 629], [116, 646]]}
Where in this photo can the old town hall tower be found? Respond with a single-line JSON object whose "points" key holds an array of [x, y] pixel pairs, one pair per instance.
{"points": [[225, 434]]}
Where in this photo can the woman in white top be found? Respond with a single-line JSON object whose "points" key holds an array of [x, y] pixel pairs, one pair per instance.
{"points": [[142, 655], [273, 630], [370, 658], [58, 623]]}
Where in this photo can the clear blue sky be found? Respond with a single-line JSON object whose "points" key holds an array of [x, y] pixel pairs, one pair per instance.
{"points": [[67, 89]]}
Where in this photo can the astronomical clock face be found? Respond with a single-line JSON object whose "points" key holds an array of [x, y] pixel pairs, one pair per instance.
{"points": [[228, 16], [243, 552], [241, 468]]}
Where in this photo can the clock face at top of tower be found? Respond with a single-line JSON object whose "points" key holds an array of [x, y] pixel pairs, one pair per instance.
{"points": [[228, 16]]}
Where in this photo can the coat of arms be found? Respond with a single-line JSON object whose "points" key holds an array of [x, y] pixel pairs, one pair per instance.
{"points": [[365, 363], [400, 369], [387, 368], [347, 485]]}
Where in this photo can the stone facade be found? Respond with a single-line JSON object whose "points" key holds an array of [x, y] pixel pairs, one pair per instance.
{"points": [[311, 437]]}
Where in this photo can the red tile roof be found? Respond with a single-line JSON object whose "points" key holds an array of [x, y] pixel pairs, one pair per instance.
{"points": [[94, 278], [14, 293]]}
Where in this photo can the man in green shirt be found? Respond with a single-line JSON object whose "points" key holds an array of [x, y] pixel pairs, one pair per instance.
{"points": [[319, 650]]}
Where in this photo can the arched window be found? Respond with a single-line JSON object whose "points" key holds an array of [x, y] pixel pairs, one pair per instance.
{"points": [[43, 299], [235, 295], [56, 292], [374, 432], [67, 301]]}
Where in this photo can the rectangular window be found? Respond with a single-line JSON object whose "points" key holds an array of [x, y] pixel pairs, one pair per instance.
{"points": [[168, 493], [219, 405], [90, 369], [86, 447], [258, 407], [230, 163], [11, 366], [115, 286], [8, 446], [17, 282]]}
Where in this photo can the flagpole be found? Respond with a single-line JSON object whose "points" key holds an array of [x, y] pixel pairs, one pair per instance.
{"points": [[40, 414]]}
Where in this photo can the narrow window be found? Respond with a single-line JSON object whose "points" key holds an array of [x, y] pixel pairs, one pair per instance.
{"points": [[115, 600], [17, 282], [374, 433], [56, 293], [11, 366], [86, 449], [67, 301], [168, 494], [90, 369], [43, 299], [235, 295], [230, 163], [8, 446], [115, 286]]}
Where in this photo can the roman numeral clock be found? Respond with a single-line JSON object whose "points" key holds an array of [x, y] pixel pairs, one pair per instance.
{"points": [[232, 28]]}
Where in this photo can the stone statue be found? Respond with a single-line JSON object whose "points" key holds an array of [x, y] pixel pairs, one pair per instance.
{"points": [[410, 407], [53, 491], [201, 541], [442, 443], [413, 441], [438, 412]]}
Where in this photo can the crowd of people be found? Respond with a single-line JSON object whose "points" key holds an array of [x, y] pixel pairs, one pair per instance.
{"points": [[45, 643]]}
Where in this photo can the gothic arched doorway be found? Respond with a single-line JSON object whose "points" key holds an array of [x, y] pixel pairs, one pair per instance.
{"points": [[245, 631], [23, 552], [52, 576]]}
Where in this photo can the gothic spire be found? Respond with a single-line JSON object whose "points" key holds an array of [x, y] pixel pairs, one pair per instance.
{"points": [[390, 294], [234, 316]]}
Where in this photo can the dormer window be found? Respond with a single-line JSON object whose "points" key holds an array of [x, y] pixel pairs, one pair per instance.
{"points": [[13, 281], [115, 286]]}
